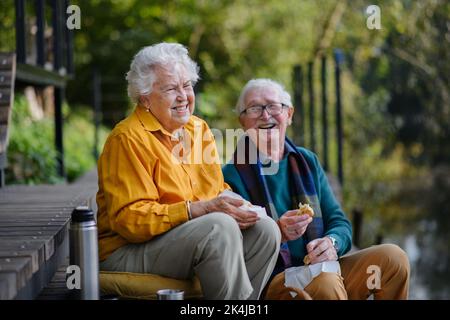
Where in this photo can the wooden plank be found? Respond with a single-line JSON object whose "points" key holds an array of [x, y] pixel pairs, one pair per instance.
{"points": [[6, 61], [57, 287], [20, 246], [4, 114], [39, 76], [21, 266], [5, 78], [48, 244], [19, 232], [8, 288], [5, 98], [36, 260], [37, 228]]}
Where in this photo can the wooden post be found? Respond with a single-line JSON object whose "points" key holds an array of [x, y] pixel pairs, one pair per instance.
{"points": [[20, 31], [379, 239], [298, 119], [311, 106], [40, 34], [324, 113], [357, 226], [338, 57]]}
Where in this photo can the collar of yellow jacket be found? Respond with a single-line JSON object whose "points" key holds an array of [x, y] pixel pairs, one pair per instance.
{"points": [[149, 121]]}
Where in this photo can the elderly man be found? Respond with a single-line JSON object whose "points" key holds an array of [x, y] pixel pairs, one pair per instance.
{"points": [[265, 111], [159, 211]]}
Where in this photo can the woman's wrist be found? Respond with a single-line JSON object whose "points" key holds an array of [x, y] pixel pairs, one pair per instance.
{"points": [[197, 208]]}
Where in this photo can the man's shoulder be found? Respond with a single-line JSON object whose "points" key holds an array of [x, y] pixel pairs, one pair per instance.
{"points": [[229, 168], [306, 153]]}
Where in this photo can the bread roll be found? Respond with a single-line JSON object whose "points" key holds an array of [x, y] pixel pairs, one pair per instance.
{"points": [[305, 209], [306, 260]]}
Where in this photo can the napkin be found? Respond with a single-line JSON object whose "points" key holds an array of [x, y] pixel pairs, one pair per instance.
{"points": [[300, 277], [260, 211]]}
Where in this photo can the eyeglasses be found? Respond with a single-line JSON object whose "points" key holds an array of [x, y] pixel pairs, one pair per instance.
{"points": [[256, 111]]}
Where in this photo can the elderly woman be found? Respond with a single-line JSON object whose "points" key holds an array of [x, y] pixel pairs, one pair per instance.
{"points": [[265, 111], [161, 213]]}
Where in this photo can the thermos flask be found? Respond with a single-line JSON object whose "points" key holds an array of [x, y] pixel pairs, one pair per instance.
{"points": [[84, 252]]}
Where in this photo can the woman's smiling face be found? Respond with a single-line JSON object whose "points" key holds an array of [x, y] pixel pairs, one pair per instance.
{"points": [[172, 100]]}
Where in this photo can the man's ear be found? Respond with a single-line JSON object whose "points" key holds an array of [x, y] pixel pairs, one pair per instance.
{"points": [[290, 115], [241, 121]]}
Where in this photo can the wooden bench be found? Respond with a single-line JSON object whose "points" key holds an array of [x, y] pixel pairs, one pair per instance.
{"points": [[34, 222]]}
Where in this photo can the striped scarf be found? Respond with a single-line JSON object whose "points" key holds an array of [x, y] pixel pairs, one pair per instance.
{"points": [[301, 186]]}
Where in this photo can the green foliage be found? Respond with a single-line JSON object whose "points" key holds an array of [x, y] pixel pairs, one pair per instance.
{"points": [[31, 152], [79, 142], [31, 156]]}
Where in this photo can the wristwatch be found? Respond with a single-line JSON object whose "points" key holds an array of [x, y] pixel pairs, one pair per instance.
{"points": [[334, 242]]}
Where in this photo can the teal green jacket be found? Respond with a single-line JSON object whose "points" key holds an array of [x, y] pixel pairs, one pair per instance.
{"points": [[335, 222]]}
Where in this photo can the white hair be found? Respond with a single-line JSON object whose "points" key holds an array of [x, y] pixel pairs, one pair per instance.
{"points": [[142, 73], [285, 97]]}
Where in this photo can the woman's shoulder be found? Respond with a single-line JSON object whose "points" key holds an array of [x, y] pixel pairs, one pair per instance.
{"points": [[128, 129]]}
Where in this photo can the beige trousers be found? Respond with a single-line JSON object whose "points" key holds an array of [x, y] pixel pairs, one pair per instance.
{"points": [[381, 270], [230, 263]]}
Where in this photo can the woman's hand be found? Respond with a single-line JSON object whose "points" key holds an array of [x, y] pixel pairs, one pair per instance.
{"points": [[293, 226], [320, 250], [227, 205]]}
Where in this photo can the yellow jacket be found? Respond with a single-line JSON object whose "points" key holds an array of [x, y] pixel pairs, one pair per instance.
{"points": [[143, 188]]}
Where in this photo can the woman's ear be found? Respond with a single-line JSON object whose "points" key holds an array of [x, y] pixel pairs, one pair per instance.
{"points": [[145, 102]]}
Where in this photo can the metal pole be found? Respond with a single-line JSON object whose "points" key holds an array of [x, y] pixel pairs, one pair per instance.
{"points": [[298, 119], [59, 98], [59, 92], [40, 34], [338, 57], [311, 106], [324, 113], [56, 23], [97, 101], [69, 42], [20, 31]]}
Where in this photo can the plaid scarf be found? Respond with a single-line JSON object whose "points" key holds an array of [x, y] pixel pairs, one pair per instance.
{"points": [[301, 186]]}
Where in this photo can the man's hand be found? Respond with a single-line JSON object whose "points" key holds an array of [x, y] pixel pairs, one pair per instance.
{"points": [[227, 205], [320, 250], [292, 225]]}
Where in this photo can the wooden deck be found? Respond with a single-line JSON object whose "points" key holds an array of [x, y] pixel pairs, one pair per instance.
{"points": [[34, 222]]}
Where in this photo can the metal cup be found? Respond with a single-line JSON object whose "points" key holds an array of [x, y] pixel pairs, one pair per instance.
{"points": [[170, 294]]}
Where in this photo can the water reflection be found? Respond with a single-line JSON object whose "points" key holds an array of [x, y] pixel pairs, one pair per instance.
{"points": [[428, 242]]}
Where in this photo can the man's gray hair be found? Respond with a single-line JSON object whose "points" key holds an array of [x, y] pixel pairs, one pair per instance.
{"points": [[261, 83], [142, 73]]}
